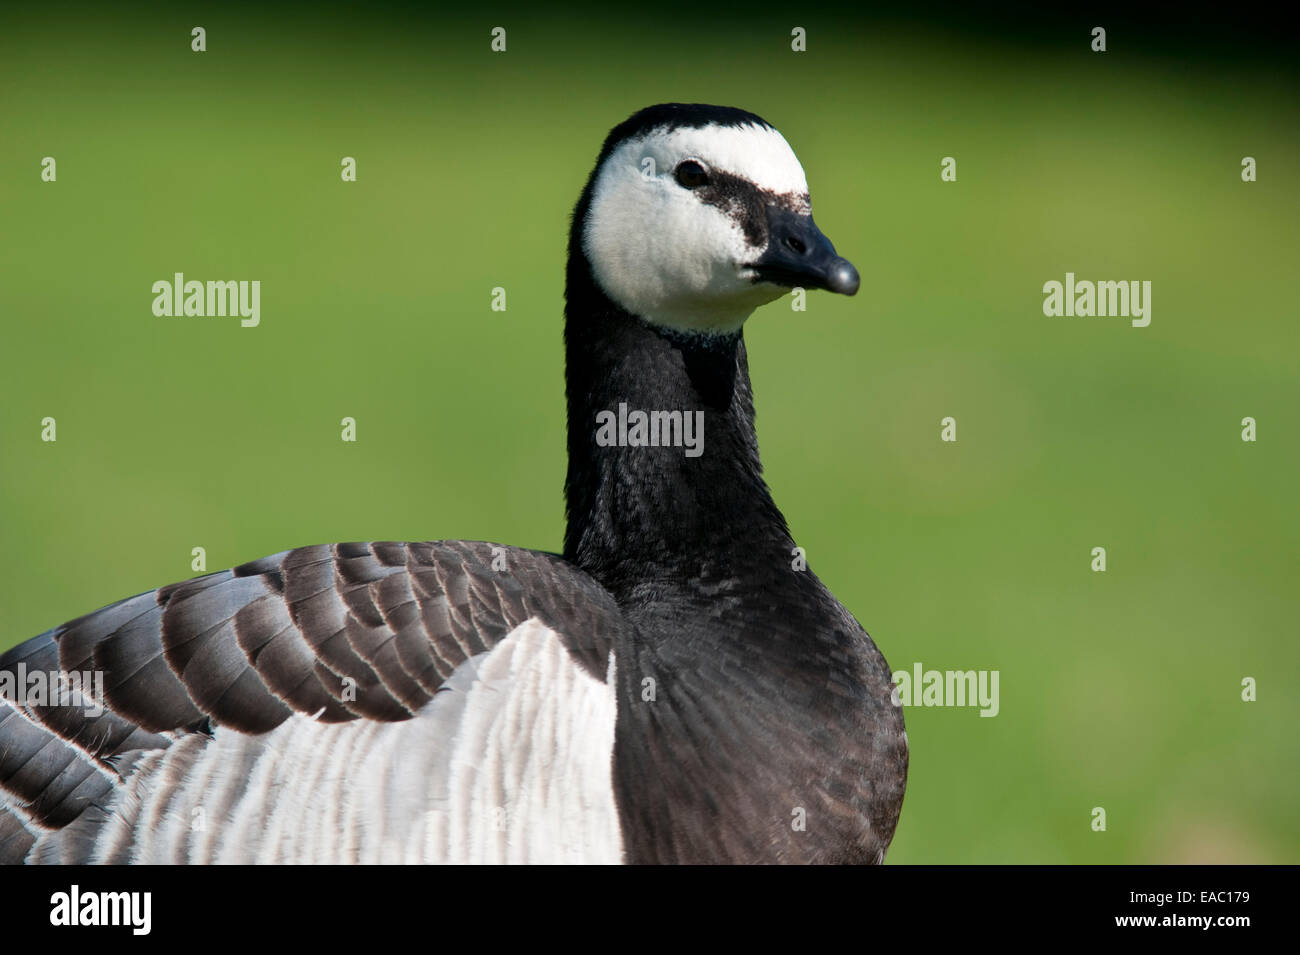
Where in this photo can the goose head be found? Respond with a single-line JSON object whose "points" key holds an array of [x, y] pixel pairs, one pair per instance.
{"points": [[696, 215]]}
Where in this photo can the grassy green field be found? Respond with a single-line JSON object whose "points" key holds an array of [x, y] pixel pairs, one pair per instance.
{"points": [[1119, 689]]}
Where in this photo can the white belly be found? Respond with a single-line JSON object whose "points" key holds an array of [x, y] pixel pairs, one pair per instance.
{"points": [[510, 762]]}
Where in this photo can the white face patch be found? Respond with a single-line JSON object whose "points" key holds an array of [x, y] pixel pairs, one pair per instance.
{"points": [[661, 252]]}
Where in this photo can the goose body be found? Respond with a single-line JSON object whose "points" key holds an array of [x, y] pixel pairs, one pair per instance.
{"points": [[669, 689]]}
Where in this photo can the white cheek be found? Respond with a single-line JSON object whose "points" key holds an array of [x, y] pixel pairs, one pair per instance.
{"points": [[662, 254], [694, 250]]}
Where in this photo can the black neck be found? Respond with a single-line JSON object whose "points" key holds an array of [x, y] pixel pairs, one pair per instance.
{"points": [[683, 518]]}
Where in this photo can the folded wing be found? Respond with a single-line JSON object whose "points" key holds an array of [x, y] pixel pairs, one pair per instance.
{"points": [[170, 700]]}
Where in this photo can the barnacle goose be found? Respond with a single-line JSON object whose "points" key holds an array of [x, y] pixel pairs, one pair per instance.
{"points": [[671, 689]]}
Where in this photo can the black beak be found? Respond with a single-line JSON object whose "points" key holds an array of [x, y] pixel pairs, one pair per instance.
{"points": [[799, 255]]}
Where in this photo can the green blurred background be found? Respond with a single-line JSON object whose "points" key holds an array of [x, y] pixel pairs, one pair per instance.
{"points": [[1119, 690]]}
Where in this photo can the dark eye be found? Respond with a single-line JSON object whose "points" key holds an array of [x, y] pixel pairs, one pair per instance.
{"points": [[691, 174]]}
